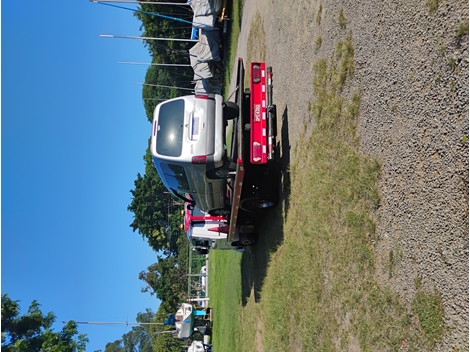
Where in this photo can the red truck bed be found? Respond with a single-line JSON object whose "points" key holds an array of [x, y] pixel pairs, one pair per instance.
{"points": [[257, 122]]}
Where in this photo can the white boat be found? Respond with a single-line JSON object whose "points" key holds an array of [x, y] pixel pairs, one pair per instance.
{"points": [[184, 321]]}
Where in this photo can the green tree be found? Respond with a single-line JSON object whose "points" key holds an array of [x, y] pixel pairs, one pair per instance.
{"points": [[167, 343], [157, 79], [167, 280], [139, 339], [155, 26], [115, 346], [33, 331], [149, 205], [154, 210]]}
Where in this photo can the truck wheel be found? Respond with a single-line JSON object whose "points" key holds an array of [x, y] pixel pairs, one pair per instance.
{"points": [[248, 239], [245, 242], [256, 204], [230, 110]]}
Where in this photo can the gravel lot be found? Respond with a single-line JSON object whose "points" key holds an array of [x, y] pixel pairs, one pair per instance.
{"points": [[413, 74]]}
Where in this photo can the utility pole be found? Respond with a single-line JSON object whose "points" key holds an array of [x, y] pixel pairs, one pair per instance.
{"points": [[114, 323]]}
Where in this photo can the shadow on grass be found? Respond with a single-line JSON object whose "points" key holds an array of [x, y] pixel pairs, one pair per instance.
{"points": [[270, 228]]}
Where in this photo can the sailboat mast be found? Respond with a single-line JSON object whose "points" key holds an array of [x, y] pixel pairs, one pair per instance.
{"points": [[113, 323]]}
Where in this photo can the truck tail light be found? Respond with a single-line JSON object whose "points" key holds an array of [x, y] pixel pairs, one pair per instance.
{"points": [[155, 128], [256, 73], [257, 152], [201, 96], [201, 159]]}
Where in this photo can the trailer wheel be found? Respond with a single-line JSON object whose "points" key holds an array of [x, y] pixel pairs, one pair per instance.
{"points": [[230, 110], [256, 204]]}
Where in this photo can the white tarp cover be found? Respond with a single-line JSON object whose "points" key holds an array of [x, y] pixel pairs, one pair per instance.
{"points": [[200, 57], [206, 7], [204, 22], [207, 48], [201, 87], [205, 86], [202, 70]]}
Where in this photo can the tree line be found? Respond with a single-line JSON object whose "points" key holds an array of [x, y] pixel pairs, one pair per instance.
{"points": [[33, 332]]}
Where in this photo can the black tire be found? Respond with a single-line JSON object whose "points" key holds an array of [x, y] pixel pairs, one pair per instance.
{"points": [[248, 239], [230, 110], [256, 204]]}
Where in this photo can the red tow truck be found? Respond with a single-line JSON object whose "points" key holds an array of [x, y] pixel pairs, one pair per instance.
{"points": [[252, 183]]}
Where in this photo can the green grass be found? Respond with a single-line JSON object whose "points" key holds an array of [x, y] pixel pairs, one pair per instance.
{"points": [[232, 41], [452, 62], [433, 5], [430, 311], [224, 294], [319, 13], [318, 42], [462, 29], [341, 19]]}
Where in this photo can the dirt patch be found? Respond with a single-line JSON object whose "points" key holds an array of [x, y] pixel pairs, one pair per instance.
{"points": [[259, 336]]}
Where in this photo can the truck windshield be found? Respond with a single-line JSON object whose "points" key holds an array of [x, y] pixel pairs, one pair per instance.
{"points": [[170, 128]]}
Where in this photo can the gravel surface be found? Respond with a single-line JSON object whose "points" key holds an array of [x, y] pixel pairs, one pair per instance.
{"points": [[413, 74]]}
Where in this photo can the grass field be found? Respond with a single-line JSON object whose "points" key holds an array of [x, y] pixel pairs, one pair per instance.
{"points": [[233, 32], [318, 290], [226, 276]]}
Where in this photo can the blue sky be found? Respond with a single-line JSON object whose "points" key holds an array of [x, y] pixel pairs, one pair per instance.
{"points": [[74, 133]]}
